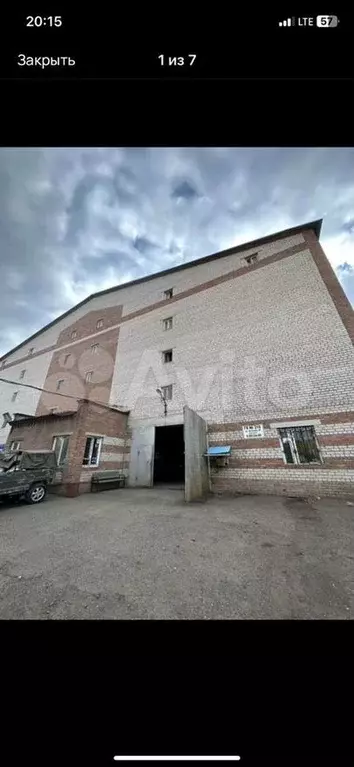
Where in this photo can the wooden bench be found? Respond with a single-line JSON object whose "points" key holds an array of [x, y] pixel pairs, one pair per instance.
{"points": [[106, 480]]}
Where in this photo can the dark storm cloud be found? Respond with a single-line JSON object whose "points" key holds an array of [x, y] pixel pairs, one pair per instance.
{"points": [[76, 221], [184, 191]]}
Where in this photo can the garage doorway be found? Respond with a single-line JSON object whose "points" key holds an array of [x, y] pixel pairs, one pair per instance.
{"points": [[169, 454]]}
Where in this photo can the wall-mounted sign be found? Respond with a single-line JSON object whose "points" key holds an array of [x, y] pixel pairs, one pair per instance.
{"points": [[253, 431]]}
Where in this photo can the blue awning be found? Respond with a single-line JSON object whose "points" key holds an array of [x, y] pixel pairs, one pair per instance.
{"points": [[219, 450]]}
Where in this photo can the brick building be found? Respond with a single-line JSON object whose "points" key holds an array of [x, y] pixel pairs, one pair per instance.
{"points": [[256, 340]]}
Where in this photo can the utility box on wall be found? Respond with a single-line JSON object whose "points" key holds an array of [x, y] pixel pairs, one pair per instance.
{"points": [[218, 456]]}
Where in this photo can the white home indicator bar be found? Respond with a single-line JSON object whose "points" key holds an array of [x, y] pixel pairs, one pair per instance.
{"points": [[177, 758]]}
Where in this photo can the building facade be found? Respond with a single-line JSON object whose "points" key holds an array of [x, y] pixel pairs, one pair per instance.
{"points": [[256, 340]]}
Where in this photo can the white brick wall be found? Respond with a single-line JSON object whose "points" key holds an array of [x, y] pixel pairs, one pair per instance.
{"points": [[27, 399], [111, 456], [266, 452], [320, 429], [340, 451], [281, 317], [114, 441], [144, 294], [293, 475]]}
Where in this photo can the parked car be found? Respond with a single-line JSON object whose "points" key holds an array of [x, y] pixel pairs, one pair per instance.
{"points": [[26, 474]]}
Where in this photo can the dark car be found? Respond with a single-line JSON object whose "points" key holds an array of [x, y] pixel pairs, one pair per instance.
{"points": [[26, 474]]}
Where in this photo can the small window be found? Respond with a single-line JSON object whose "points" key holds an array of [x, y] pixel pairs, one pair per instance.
{"points": [[168, 293], [14, 396], [92, 451], [167, 323], [60, 446], [53, 410], [251, 259], [167, 391], [88, 376], [99, 324], [299, 445], [31, 350], [66, 359], [15, 446], [60, 384], [22, 374], [167, 355], [94, 348], [74, 334]]}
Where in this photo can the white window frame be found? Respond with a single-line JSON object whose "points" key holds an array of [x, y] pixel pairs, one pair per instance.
{"points": [[60, 381], [88, 376], [61, 438], [16, 445], [92, 437], [99, 323], [14, 396], [164, 390], [167, 323]]}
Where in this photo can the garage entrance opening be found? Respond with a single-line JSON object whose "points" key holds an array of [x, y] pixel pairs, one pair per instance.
{"points": [[169, 454]]}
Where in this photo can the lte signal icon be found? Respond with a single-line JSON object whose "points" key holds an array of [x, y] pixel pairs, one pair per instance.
{"points": [[285, 23]]}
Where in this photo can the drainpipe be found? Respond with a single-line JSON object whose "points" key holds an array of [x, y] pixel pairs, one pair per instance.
{"points": [[208, 459]]}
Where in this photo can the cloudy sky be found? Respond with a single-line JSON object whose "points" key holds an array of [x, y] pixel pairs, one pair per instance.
{"points": [[76, 221]]}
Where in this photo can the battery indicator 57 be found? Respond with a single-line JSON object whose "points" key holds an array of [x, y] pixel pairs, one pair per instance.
{"points": [[327, 21]]}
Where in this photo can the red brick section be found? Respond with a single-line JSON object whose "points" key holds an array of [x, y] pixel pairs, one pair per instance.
{"points": [[38, 434], [88, 419], [73, 369], [300, 488], [86, 325], [336, 439], [332, 283], [84, 329], [92, 420]]}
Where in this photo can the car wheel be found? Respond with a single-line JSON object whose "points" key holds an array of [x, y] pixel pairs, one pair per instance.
{"points": [[36, 493]]}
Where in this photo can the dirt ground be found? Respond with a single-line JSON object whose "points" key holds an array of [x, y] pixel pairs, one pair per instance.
{"points": [[145, 554]]}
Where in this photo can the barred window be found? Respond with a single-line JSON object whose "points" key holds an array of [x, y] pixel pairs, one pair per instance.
{"points": [[299, 444]]}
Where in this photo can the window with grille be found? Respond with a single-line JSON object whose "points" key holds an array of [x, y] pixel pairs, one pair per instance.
{"points": [[22, 374], [99, 324], [168, 293], [94, 348], [251, 259], [167, 323], [15, 446], [92, 451], [167, 391], [88, 376], [60, 446], [74, 334], [299, 445], [167, 355]]}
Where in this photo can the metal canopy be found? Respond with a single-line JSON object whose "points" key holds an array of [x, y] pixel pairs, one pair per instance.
{"points": [[220, 450]]}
